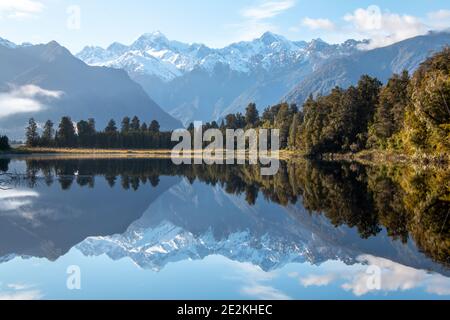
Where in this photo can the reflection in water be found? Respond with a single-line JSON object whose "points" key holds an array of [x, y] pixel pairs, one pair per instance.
{"points": [[156, 214]]}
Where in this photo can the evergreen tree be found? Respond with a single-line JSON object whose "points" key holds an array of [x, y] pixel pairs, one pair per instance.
{"points": [[155, 127], [135, 124], [125, 125], [111, 127], [66, 133], [32, 134], [48, 135], [251, 115], [4, 144]]}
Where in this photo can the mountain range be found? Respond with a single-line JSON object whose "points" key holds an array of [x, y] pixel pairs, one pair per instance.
{"points": [[176, 83], [47, 82], [195, 82]]}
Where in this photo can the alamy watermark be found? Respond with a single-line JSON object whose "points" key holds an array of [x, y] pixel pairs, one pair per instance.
{"points": [[237, 147]]}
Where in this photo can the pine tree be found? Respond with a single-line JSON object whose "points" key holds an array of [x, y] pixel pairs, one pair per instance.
{"points": [[251, 115], [4, 144], [154, 127], [31, 134], [66, 133], [125, 125], [111, 127], [48, 135], [135, 124]]}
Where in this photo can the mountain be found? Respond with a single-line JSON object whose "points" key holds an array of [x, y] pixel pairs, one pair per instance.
{"points": [[194, 82], [47, 82], [202, 220], [380, 63]]}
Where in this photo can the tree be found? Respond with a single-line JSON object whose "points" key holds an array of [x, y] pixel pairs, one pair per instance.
{"points": [[48, 135], [4, 143], [155, 127], [84, 133], [283, 122], [125, 125], [144, 127], [66, 133], [390, 110], [31, 134], [251, 115], [135, 124], [427, 120], [111, 127]]}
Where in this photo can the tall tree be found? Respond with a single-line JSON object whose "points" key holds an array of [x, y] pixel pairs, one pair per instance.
{"points": [[111, 127], [125, 125], [32, 134], [154, 127], [66, 133], [48, 135], [135, 124], [251, 115], [4, 144]]}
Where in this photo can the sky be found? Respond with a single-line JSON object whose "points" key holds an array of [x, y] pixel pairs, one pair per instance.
{"points": [[217, 23]]}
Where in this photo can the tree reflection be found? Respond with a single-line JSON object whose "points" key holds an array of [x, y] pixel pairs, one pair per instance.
{"points": [[406, 202]]}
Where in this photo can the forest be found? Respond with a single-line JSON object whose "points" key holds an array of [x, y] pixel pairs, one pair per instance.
{"points": [[408, 115]]}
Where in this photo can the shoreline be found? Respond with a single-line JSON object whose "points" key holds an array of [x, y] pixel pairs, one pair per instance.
{"points": [[368, 157]]}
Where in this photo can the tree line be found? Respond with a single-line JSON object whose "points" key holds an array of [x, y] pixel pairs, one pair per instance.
{"points": [[132, 134], [408, 114]]}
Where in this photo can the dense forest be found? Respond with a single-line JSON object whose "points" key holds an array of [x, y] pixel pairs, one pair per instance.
{"points": [[408, 115], [407, 202]]}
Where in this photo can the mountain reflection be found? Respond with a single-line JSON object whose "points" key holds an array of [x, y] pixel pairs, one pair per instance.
{"points": [[77, 199]]}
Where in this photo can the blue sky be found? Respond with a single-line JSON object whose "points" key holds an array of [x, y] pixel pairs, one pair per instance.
{"points": [[76, 23]]}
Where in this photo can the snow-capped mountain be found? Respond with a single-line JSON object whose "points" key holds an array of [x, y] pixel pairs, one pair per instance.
{"points": [[195, 82], [182, 225], [7, 43], [153, 54]]}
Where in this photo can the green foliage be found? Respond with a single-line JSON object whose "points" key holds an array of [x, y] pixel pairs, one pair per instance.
{"points": [[31, 134], [65, 136], [86, 135], [427, 124], [4, 143], [251, 115]]}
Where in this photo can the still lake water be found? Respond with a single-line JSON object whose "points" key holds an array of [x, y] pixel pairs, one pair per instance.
{"points": [[146, 229]]}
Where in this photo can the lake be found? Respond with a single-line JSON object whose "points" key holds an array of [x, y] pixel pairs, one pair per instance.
{"points": [[99, 228]]}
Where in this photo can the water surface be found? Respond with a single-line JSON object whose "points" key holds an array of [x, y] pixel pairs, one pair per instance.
{"points": [[146, 229]]}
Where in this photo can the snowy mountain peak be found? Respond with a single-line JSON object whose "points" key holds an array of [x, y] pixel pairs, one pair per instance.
{"points": [[269, 38], [7, 43], [153, 54]]}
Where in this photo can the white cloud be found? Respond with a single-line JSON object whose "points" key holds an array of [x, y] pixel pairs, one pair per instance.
{"points": [[257, 18], [255, 282], [264, 292], [21, 295], [318, 24], [267, 9], [384, 28], [20, 8], [439, 19], [13, 199], [25, 99], [19, 286], [397, 277], [317, 280]]}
